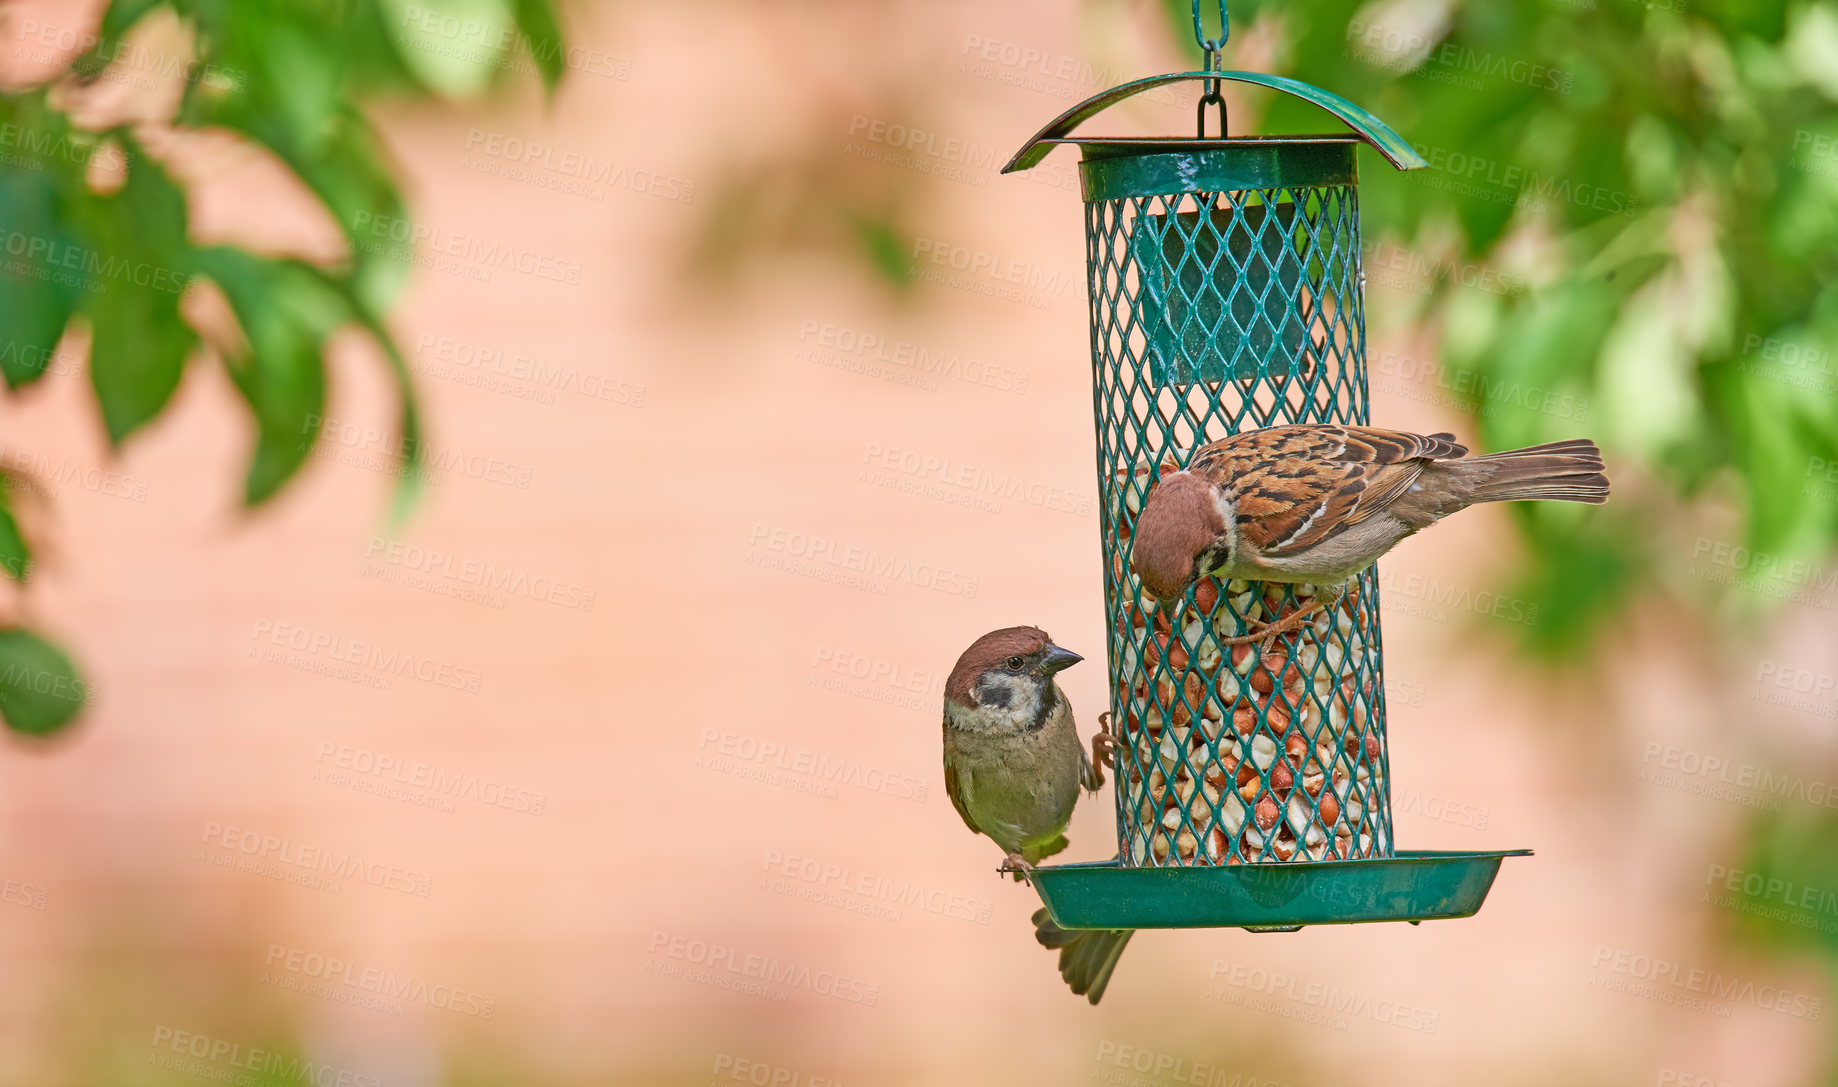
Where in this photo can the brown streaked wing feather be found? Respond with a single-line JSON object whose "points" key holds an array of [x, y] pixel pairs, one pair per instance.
{"points": [[1295, 486], [1384, 484]]}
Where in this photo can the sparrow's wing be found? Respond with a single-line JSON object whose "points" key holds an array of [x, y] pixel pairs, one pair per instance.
{"points": [[1295, 486], [957, 789]]}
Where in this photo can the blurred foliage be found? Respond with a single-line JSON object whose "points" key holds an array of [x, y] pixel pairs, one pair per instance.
{"points": [[96, 230], [1631, 219]]}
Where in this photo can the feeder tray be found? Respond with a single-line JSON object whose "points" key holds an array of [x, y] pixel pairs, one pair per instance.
{"points": [[1407, 886], [1227, 292]]}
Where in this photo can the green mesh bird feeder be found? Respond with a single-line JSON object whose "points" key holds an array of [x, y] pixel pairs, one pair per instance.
{"points": [[1253, 785]]}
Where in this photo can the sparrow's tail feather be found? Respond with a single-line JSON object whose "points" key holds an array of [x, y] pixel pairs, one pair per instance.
{"points": [[1567, 471], [1086, 956]]}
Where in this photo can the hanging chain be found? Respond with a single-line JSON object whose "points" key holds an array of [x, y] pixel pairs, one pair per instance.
{"points": [[1211, 47]]}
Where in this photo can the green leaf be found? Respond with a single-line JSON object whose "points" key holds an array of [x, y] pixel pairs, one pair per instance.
{"points": [[15, 554], [137, 350], [887, 249], [37, 295], [536, 22], [287, 312], [453, 46], [408, 487], [40, 689], [141, 265]]}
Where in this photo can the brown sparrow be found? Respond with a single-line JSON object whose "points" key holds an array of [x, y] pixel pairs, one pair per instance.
{"points": [[1013, 768], [1318, 503]]}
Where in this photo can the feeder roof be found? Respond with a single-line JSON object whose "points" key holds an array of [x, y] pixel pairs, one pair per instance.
{"points": [[1367, 128]]}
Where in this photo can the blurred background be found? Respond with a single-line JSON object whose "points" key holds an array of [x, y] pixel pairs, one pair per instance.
{"points": [[493, 489]]}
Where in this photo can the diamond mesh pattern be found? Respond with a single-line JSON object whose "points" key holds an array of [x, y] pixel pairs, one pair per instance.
{"points": [[1214, 312]]}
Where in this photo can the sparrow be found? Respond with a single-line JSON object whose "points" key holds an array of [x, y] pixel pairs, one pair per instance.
{"points": [[1318, 503], [1014, 765]]}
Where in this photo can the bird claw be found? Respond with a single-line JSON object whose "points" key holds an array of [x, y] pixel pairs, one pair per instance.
{"points": [[1016, 865], [1266, 635], [1103, 748]]}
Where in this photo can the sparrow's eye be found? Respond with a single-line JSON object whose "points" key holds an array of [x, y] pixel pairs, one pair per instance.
{"points": [[1015, 663]]}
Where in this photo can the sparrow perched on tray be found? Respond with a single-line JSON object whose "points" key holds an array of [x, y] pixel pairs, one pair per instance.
{"points": [[1014, 765], [1318, 503]]}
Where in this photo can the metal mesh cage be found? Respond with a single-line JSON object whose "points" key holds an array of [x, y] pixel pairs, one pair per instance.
{"points": [[1226, 293]]}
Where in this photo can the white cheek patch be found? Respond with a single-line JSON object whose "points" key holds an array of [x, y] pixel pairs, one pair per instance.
{"points": [[1228, 514], [1022, 704]]}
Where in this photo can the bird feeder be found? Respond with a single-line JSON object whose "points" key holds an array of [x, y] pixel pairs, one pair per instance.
{"points": [[1253, 784]]}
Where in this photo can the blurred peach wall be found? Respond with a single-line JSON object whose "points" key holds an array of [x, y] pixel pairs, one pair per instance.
{"points": [[653, 641]]}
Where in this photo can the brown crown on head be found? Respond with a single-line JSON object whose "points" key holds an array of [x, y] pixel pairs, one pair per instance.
{"points": [[988, 652], [1180, 520]]}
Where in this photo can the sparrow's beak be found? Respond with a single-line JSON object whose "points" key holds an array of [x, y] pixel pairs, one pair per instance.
{"points": [[1170, 605], [1055, 659]]}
